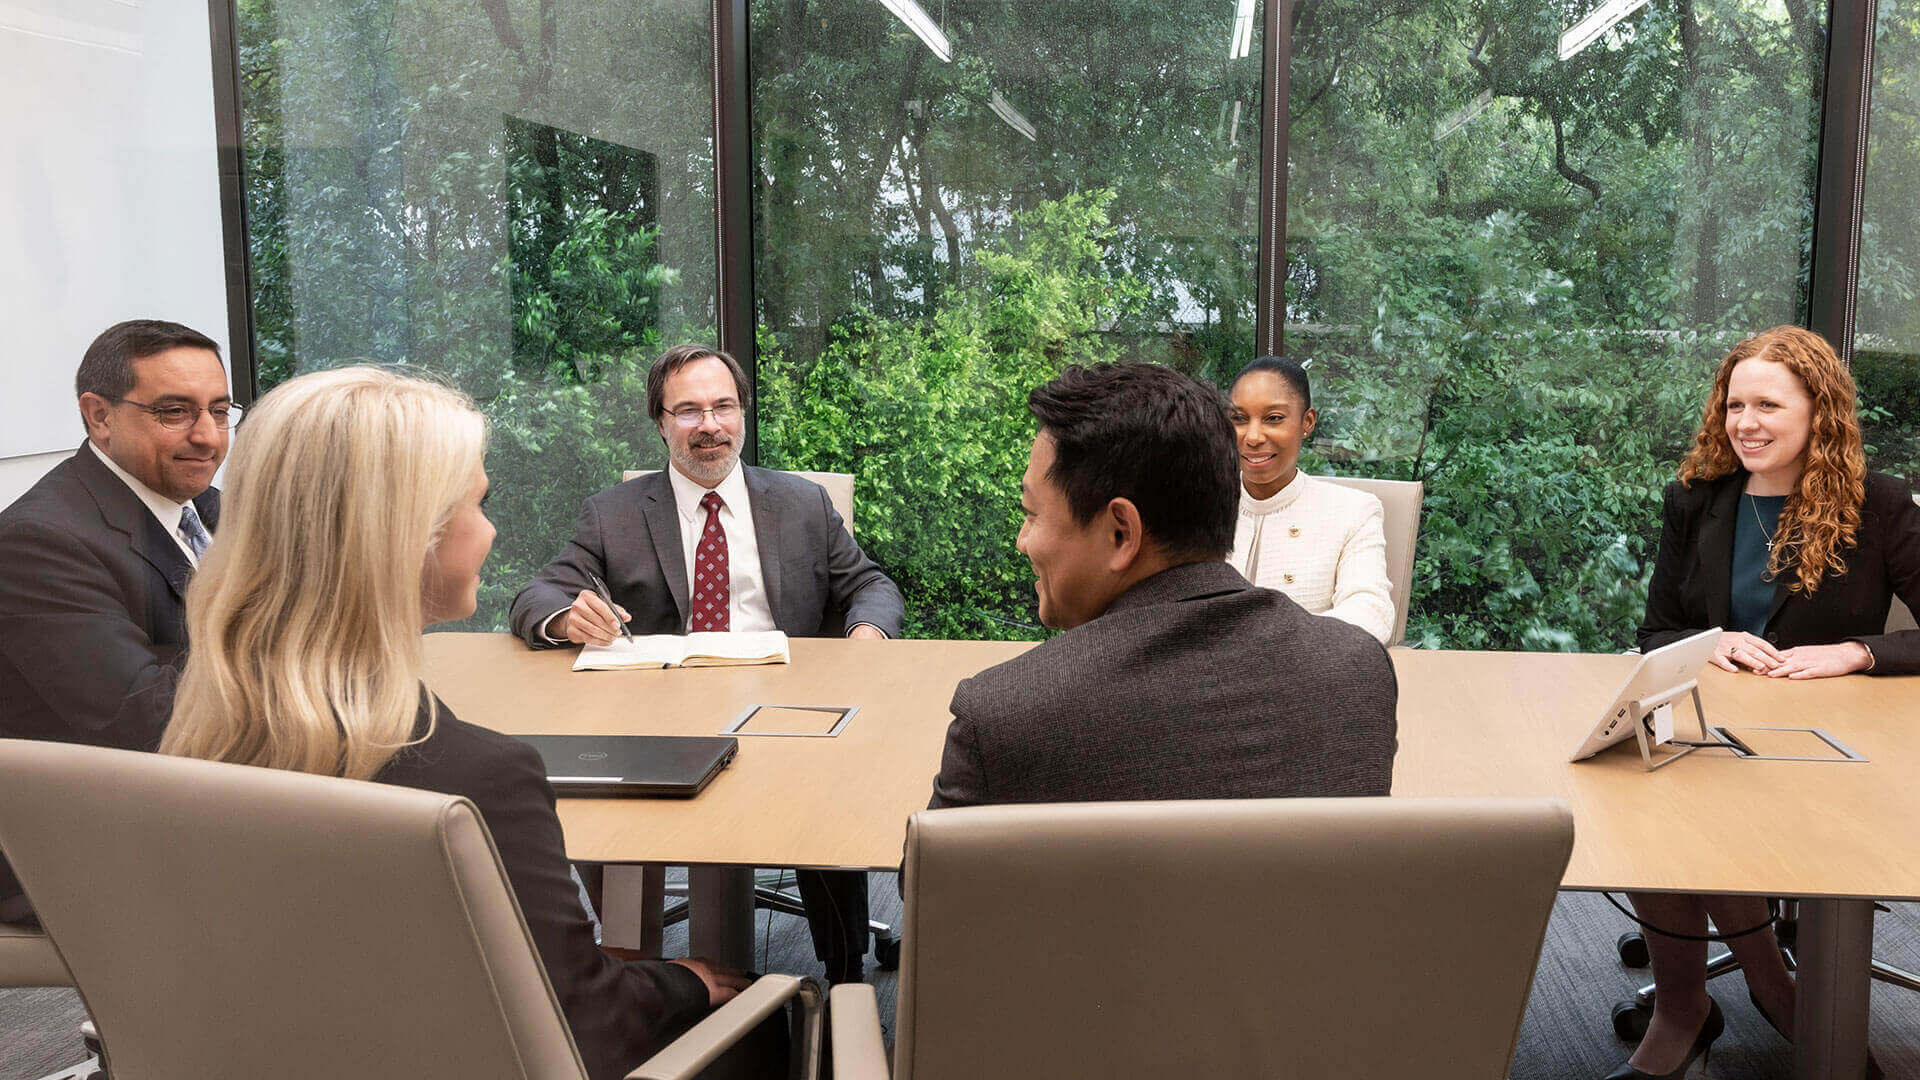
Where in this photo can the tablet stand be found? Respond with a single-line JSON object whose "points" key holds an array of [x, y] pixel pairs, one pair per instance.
{"points": [[1644, 708]]}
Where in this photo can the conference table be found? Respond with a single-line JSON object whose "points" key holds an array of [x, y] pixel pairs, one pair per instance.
{"points": [[1470, 724]]}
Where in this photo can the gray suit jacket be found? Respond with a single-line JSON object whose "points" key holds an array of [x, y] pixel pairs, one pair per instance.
{"points": [[817, 579], [1193, 685]]}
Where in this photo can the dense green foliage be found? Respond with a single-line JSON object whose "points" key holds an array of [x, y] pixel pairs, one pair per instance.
{"points": [[1512, 272]]}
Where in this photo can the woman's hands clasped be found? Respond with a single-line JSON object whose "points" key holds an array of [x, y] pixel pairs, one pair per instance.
{"points": [[1740, 651]]}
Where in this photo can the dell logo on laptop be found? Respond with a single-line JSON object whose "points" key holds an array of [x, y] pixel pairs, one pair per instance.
{"points": [[593, 756]]}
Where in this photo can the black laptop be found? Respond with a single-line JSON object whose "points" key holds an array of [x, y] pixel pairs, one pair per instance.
{"points": [[670, 766]]}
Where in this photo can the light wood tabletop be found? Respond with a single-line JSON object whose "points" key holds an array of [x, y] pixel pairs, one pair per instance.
{"points": [[1505, 723], [1832, 834], [785, 801], [1470, 724]]}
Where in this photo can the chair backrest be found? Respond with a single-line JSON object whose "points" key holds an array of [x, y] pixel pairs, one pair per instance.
{"points": [[28, 958], [1899, 616], [839, 487], [223, 920], [1400, 500], [1275, 937]]}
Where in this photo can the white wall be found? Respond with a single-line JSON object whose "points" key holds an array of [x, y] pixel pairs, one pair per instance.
{"points": [[17, 474], [109, 198]]}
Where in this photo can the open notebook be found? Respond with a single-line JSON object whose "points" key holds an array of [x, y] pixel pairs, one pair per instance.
{"points": [[686, 650]]}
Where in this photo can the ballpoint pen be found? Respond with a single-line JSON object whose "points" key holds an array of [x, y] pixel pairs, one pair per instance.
{"points": [[601, 588]]}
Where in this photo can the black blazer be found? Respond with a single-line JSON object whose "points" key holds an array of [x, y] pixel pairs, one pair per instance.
{"points": [[92, 622], [816, 577], [621, 1012], [1193, 685], [1691, 592]]}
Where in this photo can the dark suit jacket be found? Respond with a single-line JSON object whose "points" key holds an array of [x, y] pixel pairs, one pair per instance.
{"points": [[629, 536], [1193, 685], [621, 1012], [1690, 590], [92, 626]]}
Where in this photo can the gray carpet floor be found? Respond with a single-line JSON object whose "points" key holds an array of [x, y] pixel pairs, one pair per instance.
{"points": [[1566, 1033]]}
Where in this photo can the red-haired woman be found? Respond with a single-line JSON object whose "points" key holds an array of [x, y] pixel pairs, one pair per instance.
{"points": [[1777, 533]]}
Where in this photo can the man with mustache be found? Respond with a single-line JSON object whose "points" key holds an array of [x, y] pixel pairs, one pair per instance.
{"points": [[711, 544], [94, 559]]}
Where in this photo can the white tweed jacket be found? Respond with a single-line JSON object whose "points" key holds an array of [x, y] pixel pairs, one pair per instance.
{"points": [[1323, 546]]}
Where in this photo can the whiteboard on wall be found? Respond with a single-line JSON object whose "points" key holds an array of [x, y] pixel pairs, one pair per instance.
{"points": [[109, 193]]}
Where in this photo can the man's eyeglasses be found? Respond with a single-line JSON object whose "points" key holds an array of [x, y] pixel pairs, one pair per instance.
{"points": [[690, 416], [183, 417]]}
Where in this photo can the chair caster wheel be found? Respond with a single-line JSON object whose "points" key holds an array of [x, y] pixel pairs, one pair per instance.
{"points": [[1632, 947], [886, 953], [1630, 1019]]}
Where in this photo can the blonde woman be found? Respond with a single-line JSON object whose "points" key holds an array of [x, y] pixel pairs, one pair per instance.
{"points": [[1777, 533], [352, 520]]}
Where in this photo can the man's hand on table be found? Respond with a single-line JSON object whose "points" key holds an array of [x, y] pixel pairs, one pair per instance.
{"points": [[866, 632]]}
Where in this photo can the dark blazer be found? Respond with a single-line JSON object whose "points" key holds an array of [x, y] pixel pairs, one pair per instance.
{"points": [[1690, 591], [629, 536], [92, 626], [621, 1011], [1193, 685]]}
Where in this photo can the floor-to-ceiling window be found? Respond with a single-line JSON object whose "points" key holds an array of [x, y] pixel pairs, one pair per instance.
{"points": [[1886, 343], [952, 202], [514, 196], [1520, 235], [1517, 236]]}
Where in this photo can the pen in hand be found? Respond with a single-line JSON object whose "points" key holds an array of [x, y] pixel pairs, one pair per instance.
{"points": [[601, 588]]}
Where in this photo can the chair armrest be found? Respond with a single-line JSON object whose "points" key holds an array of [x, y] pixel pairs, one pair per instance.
{"points": [[858, 1050], [28, 958], [725, 1026]]}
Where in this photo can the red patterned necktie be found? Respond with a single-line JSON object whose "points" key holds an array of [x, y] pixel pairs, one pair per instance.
{"points": [[711, 583]]}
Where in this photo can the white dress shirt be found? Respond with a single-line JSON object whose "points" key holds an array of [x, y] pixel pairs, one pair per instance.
{"points": [[165, 510], [1322, 545], [748, 608]]}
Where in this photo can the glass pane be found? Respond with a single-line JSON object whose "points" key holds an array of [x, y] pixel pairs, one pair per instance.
{"points": [[954, 202], [515, 195], [1521, 235], [1886, 343]]}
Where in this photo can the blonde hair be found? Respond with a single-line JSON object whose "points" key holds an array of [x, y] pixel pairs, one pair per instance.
{"points": [[305, 615], [1822, 515]]}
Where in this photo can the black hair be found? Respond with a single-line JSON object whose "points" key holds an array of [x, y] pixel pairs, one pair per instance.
{"points": [[107, 367], [680, 356], [1152, 436], [1289, 369]]}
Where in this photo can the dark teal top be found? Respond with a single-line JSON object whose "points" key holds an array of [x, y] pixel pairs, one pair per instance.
{"points": [[1752, 589]]}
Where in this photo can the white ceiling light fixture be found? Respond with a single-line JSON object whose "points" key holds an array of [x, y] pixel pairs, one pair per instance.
{"points": [[1240, 41], [1005, 111], [1599, 21], [923, 26]]}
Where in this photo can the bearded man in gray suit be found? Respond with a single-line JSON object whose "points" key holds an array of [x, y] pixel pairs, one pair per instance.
{"points": [[709, 544], [1175, 678]]}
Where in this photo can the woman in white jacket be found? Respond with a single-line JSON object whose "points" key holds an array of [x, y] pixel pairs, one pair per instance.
{"points": [[1319, 543]]}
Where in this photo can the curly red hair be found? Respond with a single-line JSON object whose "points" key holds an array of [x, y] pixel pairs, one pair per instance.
{"points": [[1822, 515]]}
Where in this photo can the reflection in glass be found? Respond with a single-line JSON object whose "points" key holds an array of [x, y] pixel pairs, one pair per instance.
{"points": [[932, 239]]}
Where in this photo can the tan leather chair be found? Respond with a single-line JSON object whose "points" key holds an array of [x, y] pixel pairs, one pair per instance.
{"points": [[1400, 500], [222, 920], [839, 487], [1312, 937], [28, 958]]}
